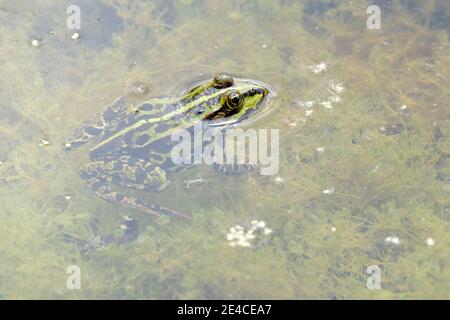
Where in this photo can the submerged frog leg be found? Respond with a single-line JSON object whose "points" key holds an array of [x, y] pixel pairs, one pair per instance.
{"points": [[128, 172], [95, 125]]}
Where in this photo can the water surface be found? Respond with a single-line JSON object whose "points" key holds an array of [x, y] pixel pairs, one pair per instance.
{"points": [[364, 126]]}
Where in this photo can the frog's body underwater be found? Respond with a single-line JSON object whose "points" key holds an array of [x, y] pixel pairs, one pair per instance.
{"points": [[132, 145]]}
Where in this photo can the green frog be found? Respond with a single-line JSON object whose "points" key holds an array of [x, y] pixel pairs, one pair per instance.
{"points": [[131, 145]]}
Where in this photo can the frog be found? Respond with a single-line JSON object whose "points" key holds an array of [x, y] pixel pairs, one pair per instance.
{"points": [[130, 145]]}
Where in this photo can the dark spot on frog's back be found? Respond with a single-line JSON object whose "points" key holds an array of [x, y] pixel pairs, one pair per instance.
{"points": [[128, 137], [162, 127], [146, 107], [109, 114], [141, 140], [140, 175]]}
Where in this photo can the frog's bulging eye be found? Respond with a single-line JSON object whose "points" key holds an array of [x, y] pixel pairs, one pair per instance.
{"points": [[234, 100], [223, 81]]}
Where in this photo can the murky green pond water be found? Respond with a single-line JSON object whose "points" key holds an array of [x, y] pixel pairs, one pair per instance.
{"points": [[360, 207]]}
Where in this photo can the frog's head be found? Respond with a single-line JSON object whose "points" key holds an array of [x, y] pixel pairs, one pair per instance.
{"points": [[225, 100]]}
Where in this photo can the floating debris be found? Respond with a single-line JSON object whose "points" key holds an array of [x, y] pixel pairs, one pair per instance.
{"points": [[375, 169], [429, 242], [44, 143], [403, 107], [393, 240], [320, 149], [35, 43], [138, 88], [248, 237], [304, 104], [336, 87], [328, 191], [308, 113], [68, 197], [333, 229], [279, 180], [334, 99], [321, 67], [75, 36], [327, 104], [188, 183]]}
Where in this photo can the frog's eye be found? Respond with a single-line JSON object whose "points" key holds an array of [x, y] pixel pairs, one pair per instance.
{"points": [[234, 100], [223, 81]]}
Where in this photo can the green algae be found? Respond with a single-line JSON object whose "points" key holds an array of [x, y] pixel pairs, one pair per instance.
{"points": [[385, 155]]}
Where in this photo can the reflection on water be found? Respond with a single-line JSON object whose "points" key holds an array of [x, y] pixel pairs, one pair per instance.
{"points": [[364, 150]]}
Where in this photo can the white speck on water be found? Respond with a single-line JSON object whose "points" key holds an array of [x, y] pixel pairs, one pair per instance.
{"points": [[336, 87], [429, 242], [309, 104], [44, 143], [188, 183], [68, 198], [334, 99], [244, 237], [333, 229], [278, 179], [393, 240], [308, 113], [375, 169], [264, 46], [304, 104], [328, 191], [327, 104], [75, 36], [35, 43], [403, 107], [319, 68], [320, 149]]}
